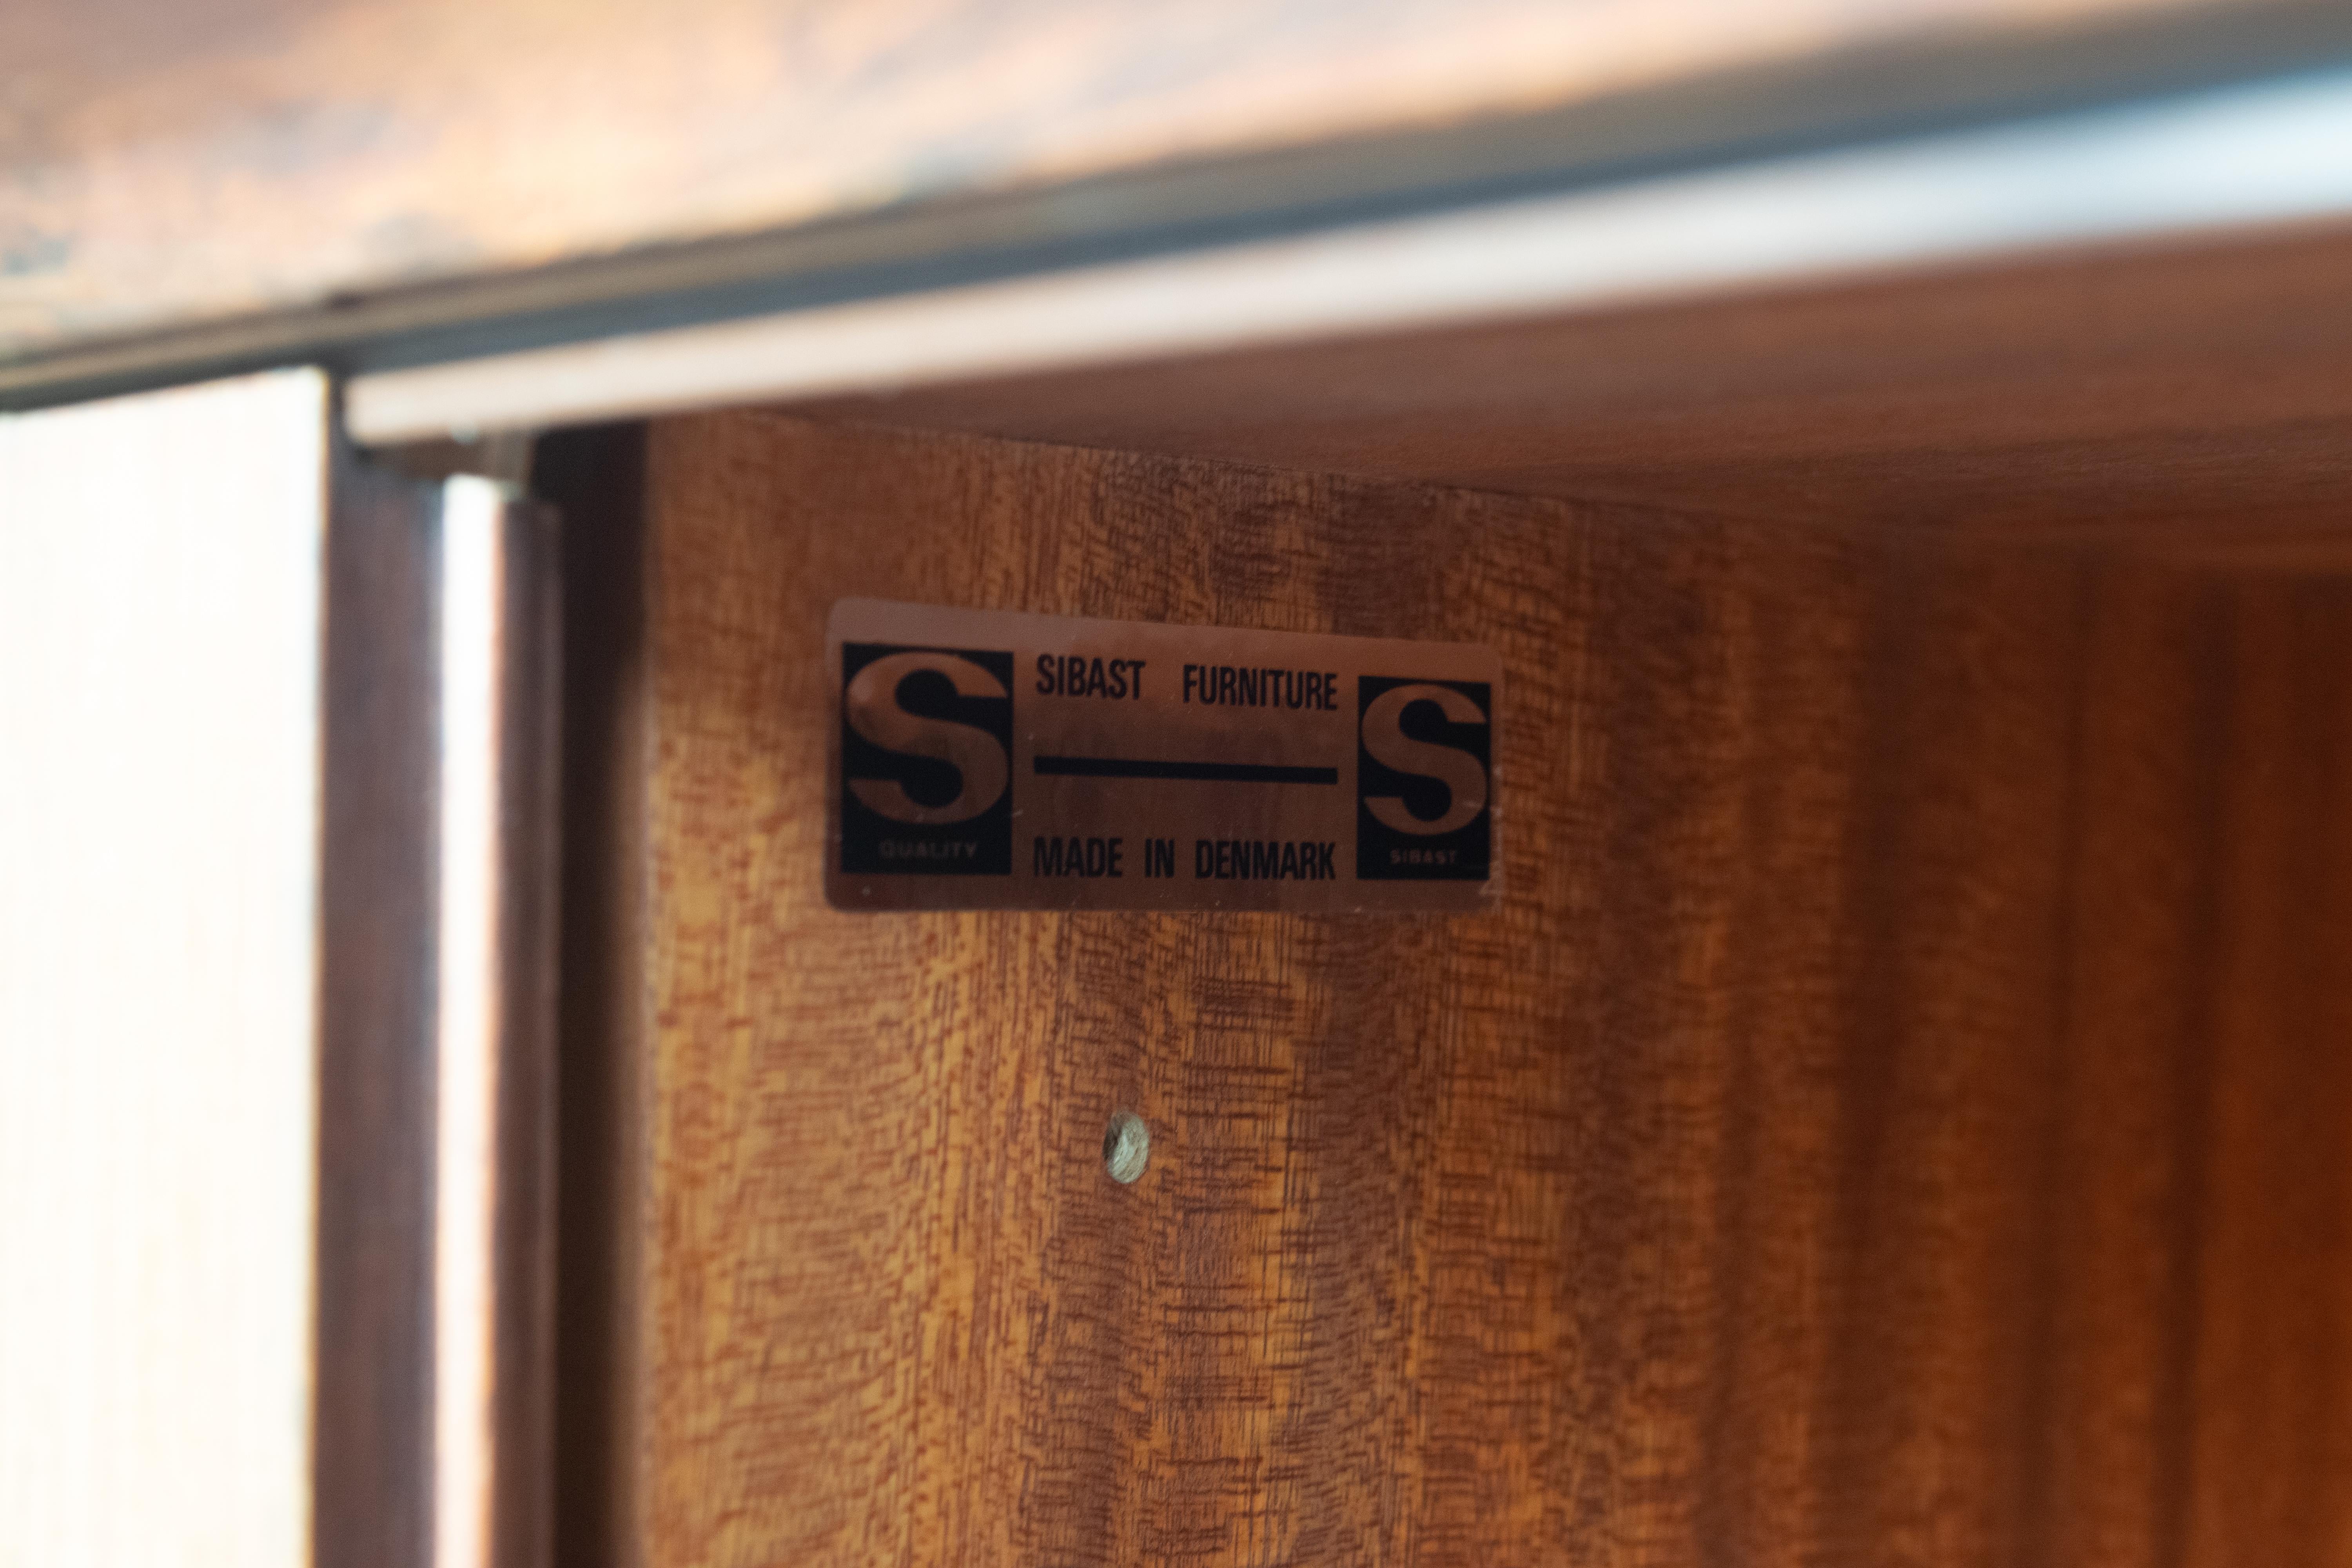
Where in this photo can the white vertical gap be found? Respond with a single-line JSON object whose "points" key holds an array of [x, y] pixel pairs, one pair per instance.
{"points": [[160, 574], [465, 1163]]}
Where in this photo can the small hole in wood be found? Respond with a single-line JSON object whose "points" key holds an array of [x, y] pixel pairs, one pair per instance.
{"points": [[1126, 1147]]}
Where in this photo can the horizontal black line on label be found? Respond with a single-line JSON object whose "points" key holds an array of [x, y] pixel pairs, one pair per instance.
{"points": [[1219, 772]]}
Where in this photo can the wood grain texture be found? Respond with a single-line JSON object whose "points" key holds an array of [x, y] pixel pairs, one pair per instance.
{"points": [[169, 165], [1896, 1117]]}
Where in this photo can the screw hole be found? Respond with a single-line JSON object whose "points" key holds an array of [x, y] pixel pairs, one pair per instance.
{"points": [[1126, 1147]]}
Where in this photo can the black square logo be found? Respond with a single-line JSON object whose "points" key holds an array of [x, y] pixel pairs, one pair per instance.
{"points": [[1425, 779], [926, 761]]}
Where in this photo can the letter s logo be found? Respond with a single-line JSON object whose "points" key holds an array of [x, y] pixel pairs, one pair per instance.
{"points": [[871, 707], [1463, 774]]}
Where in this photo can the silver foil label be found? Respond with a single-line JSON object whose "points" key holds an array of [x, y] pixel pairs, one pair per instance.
{"points": [[990, 759]]}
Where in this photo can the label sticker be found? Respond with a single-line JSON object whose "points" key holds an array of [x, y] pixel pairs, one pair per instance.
{"points": [[988, 760]]}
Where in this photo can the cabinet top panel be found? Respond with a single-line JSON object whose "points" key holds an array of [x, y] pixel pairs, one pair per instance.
{"points": [[214, 182]]}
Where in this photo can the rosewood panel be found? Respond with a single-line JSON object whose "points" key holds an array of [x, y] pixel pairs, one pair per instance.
{"points": [[245, 180]]}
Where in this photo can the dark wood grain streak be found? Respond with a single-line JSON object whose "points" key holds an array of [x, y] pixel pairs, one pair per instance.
{"points": [[595, 480], [525, 1216], [1896, 1116], [372, 1439]]}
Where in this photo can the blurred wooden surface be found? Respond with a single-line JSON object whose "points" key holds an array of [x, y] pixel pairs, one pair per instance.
{"points": [[595, 479], [171, 165], [2205, 384], [1896, 1118], [373, 1406]]}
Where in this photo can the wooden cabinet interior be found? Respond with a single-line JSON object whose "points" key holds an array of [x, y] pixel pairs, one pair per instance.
{"points": [[2200, 381], [1896, 1113], [1896, 1116]]}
